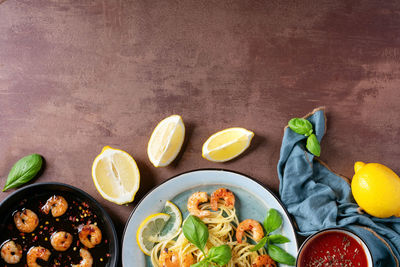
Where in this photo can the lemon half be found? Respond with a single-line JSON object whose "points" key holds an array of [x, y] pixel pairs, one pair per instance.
{"points": [[116, 175], [166, 141], [227, 144]]}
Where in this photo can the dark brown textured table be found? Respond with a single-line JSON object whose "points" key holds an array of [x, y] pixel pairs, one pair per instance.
{"points": [[78, 75]]}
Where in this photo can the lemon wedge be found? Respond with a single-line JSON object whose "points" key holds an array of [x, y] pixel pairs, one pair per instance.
{"points": [[149, 229], [166, 141], [227, 144], [116, 175]]}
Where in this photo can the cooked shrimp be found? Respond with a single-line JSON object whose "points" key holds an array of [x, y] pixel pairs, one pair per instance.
{"points": [[193, 204], [188, 260], [224, 193], [61, 241], [87, 259], [249, 225], [169, 258], [90, 235], [11, 252], [26, 220], [264, 260], [35, 253], [57, 204]]}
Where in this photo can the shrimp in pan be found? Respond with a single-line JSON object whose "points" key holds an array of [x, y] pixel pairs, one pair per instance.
{"points": [[57, 205], [26, 220], [35, 253], [225, 194], [11, 252], [87, 259], [90, 235], [61, 240], [193, 204], [249, 225]]}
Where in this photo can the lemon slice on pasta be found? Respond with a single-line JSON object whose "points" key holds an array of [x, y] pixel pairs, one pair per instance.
{"points": [[174, 223], [149, 229]]}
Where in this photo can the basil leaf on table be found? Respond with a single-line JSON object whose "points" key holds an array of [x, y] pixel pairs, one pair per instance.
{"points": [[280, 255], [278, 239], [220, 255], [313, 145], [23, 171], [301, 126], [195, 231], [260, 244], [273, 221]]}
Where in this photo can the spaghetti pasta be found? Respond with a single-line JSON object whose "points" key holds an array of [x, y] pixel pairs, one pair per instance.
{"points": [[222, 226]]}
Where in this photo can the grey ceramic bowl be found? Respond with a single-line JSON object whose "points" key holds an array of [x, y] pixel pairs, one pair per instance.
{"points": [[9, 204]]}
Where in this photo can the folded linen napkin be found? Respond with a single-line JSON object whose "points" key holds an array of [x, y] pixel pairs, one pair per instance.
{"points": [[318, 198]]}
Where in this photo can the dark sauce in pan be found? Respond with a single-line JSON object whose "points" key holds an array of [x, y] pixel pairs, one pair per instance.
{"points": [[78, 213]]}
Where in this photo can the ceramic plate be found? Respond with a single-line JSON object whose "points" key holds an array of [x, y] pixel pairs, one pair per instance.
{"points": [[252, 202]]}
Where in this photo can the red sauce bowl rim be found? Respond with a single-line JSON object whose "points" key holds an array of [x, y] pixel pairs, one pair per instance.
{"points": [[367, 250]]}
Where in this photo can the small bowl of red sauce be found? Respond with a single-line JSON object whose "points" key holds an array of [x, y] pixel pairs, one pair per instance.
{"points": [[334, 247]]}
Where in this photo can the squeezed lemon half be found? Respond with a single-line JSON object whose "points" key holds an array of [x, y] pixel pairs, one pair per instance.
{"points": [[166, 141], [227, 144], [116, 175]]}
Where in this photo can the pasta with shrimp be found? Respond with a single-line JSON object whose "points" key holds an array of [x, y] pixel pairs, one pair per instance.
{"points": [[223, 225]]}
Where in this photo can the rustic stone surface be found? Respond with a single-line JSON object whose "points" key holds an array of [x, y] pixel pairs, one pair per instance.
{"points": [[78, 75]]}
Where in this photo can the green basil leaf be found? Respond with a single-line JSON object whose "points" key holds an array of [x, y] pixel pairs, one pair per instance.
{"points": [[301, 126], [220, 255], [195, 231], [313, 145], [260, 244], [202, 263], [23, 171], [273, 221], [278, 239], [281, 256]]}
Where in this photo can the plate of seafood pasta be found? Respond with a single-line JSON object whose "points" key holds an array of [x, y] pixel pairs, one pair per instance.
{"points": [[54, 224], [216, 217]]}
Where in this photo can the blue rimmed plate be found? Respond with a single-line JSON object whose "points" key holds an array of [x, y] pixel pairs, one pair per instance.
{"points": [[252, 202]]}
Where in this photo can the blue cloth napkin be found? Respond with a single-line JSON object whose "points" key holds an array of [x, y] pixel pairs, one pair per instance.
{"points": [[317, 198]]}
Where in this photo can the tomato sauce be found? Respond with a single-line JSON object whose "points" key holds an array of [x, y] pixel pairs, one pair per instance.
{"points": [[333, 249]]}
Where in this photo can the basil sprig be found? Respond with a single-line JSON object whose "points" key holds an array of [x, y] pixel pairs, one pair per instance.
{"points": [[23, 171], [304, 127], [280, 255], [196, 232], [301, 126], [220, 255], [272, 222]]}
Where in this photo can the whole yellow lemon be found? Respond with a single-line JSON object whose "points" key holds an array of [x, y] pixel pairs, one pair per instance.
{"points": [[376, 189]]}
